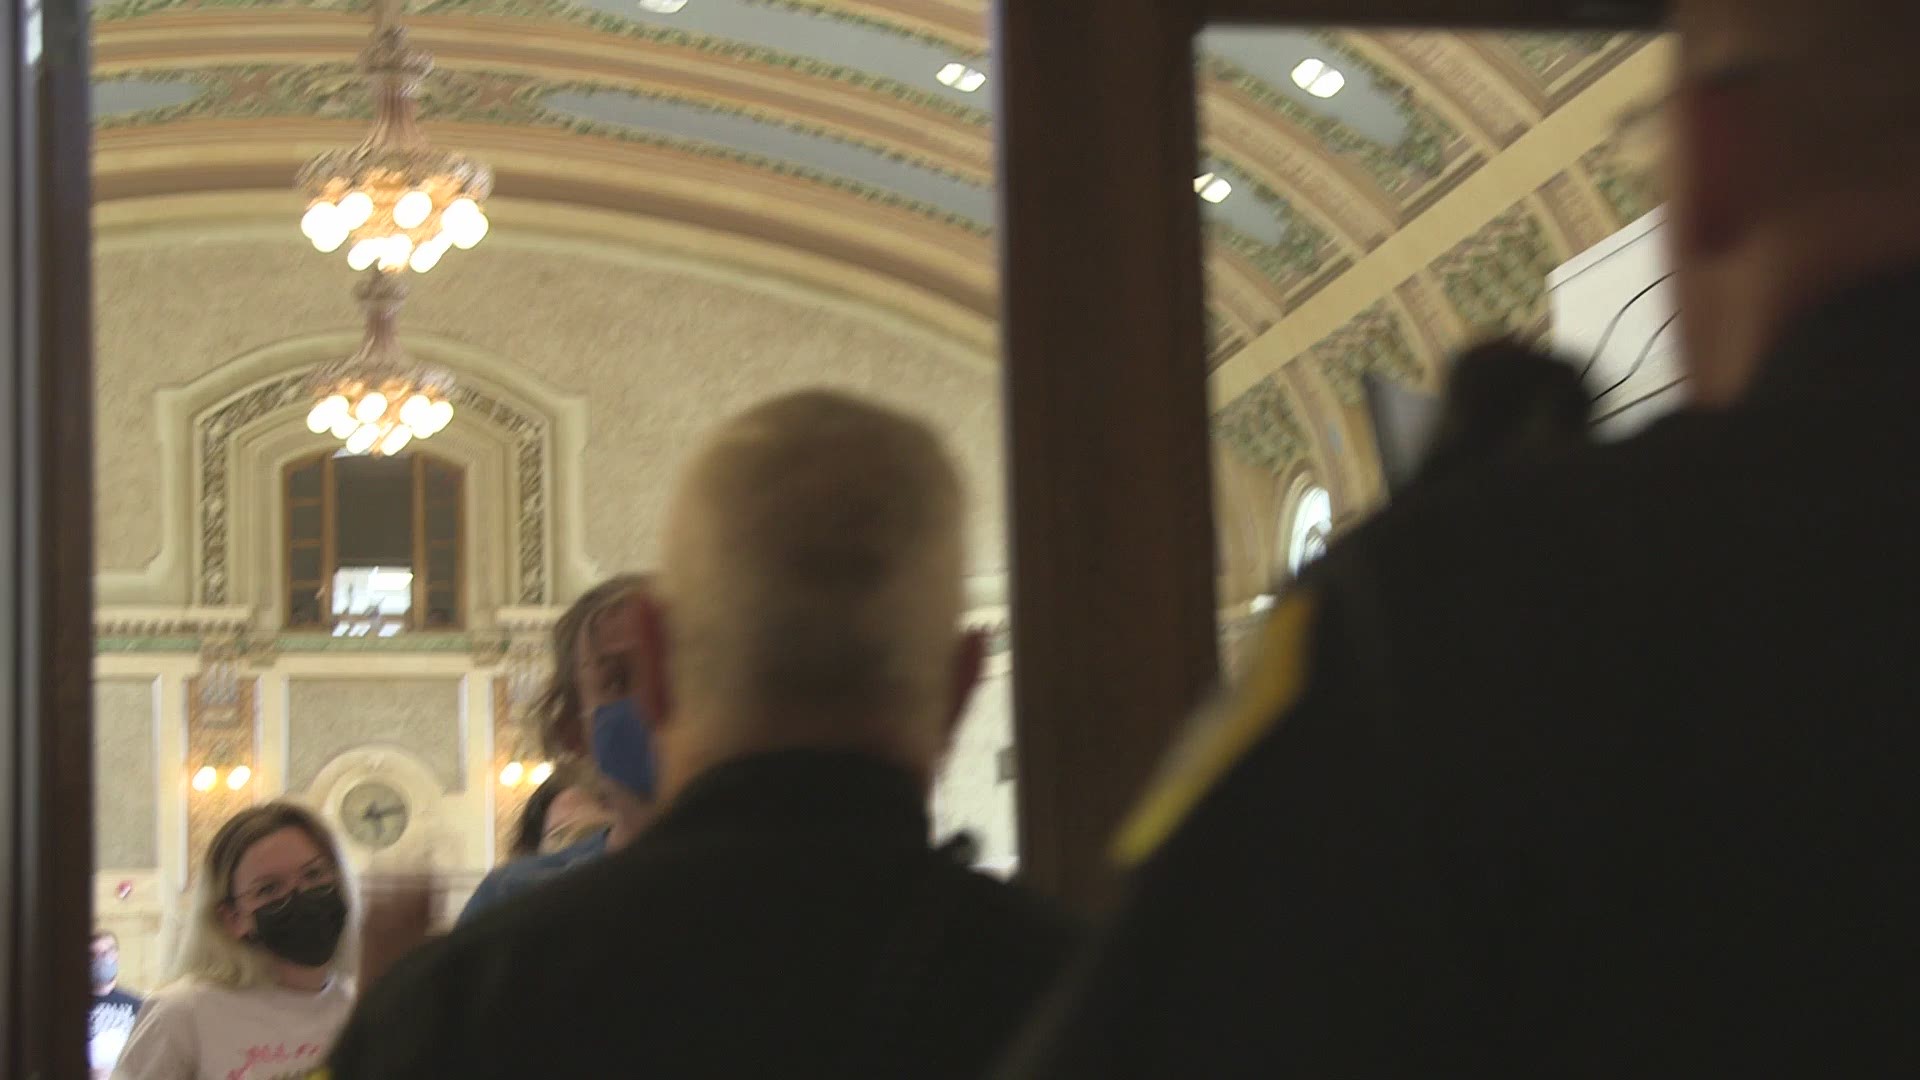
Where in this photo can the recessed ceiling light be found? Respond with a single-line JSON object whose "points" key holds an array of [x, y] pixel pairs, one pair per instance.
{"points": [[1317, 78], [1214, 189], [961, 77], [661, 7]]}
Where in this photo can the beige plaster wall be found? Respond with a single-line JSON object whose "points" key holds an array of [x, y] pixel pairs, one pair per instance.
{"points": [[124, 790], [328, 716], [660, 355]]}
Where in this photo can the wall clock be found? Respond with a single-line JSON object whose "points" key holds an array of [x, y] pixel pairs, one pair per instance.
{"points": [[374, 814]]}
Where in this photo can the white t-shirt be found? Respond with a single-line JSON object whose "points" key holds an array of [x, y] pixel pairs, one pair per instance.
{"points": [[195, 1030]]}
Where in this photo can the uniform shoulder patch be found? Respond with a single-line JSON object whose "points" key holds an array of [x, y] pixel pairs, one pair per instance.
{"points": [[1223, 734]]}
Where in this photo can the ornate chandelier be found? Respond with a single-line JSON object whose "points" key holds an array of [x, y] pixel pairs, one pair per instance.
{"points": [[378, 400], [399, 201]]}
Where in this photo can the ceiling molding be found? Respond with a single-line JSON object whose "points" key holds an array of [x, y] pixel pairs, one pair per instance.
{"points": [[943, 135], [952, 331], [1556, 144]]}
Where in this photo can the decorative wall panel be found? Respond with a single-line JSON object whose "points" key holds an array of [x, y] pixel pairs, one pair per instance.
{"points": [[326, 717], [125, 785]]}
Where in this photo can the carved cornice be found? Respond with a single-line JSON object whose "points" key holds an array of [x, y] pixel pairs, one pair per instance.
{"points": [[194, 622]]}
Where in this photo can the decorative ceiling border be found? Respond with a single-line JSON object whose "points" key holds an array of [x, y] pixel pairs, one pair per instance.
{"points": [[287, 393], [1496, 278], [869, 22], [332, 91], [1400, 171], [1374, 341], [560, 12], [763, 116]]}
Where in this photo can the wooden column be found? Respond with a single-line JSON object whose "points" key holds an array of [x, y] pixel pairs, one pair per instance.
{"points": [[1106, 413], [46, 587]]}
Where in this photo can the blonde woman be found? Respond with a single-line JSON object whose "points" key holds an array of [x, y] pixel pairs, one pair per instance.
{"points": [[260, 991]]}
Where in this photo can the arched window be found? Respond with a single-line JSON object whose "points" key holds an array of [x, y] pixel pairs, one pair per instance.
{"points": [[1312, 525], [374, 546]]}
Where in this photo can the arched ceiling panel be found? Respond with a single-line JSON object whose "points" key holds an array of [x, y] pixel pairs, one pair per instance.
{"points": [[823, 125]]}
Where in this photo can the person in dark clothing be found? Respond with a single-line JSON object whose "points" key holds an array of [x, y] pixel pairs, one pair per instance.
{"points": [[1601, 766], [561, 811], [800, 674], [110, 1020], [1504, 399]]}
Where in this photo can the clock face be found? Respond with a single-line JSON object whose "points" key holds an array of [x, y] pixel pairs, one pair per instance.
{"points": [[374, 814]]}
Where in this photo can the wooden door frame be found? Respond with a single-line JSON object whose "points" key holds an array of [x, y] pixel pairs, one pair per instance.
{"points": [[46, 753], [1104, 380]]}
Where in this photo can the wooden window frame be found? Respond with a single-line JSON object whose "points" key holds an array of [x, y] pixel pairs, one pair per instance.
{"points": [[328, 502]]}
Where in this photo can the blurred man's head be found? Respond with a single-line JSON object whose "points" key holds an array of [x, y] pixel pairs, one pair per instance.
{"points": [[1502, 399], [1796, 148], [811, 591]]}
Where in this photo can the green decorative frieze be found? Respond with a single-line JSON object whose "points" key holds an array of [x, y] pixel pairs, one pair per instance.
{"points": [[1302, 250], [1260, 426], [1373, 341], [1496, 279], [1400, 170], [1630, 185]]}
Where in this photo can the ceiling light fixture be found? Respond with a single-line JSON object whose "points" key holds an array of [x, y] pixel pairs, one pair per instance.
{"points": [[961, 77], [1212, 188], [401, 202], [1318, 78], [662, 7], [378, 400]]}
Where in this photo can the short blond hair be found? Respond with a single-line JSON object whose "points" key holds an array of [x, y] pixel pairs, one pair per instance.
{"points": [[813, 564], [208, 952]]}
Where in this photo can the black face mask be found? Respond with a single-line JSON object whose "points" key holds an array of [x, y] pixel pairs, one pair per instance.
{"points": [[303, 927]]}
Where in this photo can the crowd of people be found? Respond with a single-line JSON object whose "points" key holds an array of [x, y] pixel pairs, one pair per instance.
{"points": [[1621, 786]]}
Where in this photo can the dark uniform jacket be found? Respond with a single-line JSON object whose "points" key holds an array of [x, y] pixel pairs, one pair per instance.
{"points": [[1606, 767], [785, 918]]}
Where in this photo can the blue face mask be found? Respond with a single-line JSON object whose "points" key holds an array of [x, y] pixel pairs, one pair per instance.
{"points": [[623, 747]]}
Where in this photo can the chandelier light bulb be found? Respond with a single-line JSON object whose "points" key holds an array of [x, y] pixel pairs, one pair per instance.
{"points": [[326, 243], [427, 255], [205, 777], [321, 219], [469, 230], [355, 209], [540, 773], [512, 773], [412, 209], [395, 251], [416, 411], [364, 253], [319, 419], [396, 440], [371, 408], [363, 438], [238, 778], [386, 198], [442, 415], [345, 425]]}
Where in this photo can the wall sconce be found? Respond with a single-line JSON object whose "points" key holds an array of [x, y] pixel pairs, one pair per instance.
{"points": [[515, 773], [207, 777]]}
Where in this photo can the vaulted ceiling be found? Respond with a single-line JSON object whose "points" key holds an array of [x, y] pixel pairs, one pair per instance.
{"points": [[819, 127]]}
